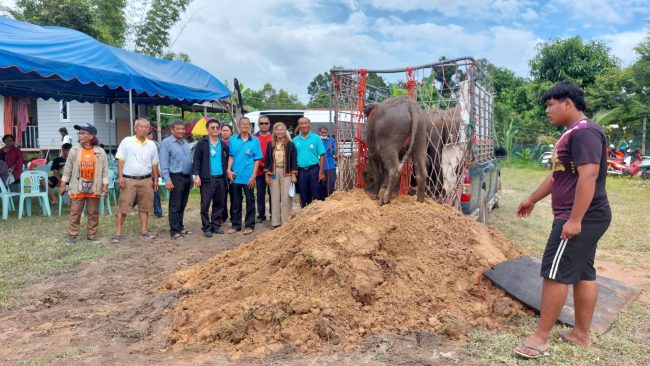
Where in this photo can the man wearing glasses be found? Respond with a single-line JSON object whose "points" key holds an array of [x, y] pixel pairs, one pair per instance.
{"points": [[264, 137], [208, 167]]}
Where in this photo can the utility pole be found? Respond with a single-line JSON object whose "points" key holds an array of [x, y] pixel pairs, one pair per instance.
{"points": [[643, 136]]}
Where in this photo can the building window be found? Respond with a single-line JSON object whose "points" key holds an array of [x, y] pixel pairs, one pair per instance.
{"points": [[64, 110]]}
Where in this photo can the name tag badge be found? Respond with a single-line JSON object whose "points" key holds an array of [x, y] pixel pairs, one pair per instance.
{"points": [[311, 146]]}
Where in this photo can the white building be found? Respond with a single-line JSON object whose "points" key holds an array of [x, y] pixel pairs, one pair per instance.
{"points": [[47, 116]]}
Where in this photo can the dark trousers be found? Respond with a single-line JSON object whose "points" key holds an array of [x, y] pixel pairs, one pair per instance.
{"points": [[227, 193], [308, 185], [177, 201], [213, 192], [236, 206], [327, 186], [157, 206], [262, 191]]}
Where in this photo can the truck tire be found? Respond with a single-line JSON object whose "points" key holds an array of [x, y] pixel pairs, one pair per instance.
{"points": [[483, 208], [497, 203]]}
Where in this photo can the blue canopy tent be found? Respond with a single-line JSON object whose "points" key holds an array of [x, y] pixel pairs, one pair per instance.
{"points": [[64, 64]]}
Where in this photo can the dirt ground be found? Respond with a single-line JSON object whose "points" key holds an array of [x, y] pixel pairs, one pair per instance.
{"points": [[112, 311]]}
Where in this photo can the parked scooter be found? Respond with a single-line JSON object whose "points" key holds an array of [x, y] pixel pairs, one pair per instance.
{"points": [[644, 167], [627, 166]]}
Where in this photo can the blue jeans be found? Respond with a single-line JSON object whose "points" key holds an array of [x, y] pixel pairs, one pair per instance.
{"points": [[308, 185]]}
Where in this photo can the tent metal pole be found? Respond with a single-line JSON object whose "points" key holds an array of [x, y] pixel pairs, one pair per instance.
{"points": [[205, 111], [131, 111], [158, 123]]}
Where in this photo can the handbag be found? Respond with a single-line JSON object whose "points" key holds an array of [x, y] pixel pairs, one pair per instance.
{"points": [[10, 178]]}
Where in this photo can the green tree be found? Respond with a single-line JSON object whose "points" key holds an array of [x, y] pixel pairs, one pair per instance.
{"points": [[74, 14], [270, 98], [177, 56], [153, 34], [110, 21], [322, 100], [572, 59]]}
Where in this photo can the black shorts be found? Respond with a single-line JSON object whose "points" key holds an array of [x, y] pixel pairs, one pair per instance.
{"points": [[53, 181], [571, 261]]}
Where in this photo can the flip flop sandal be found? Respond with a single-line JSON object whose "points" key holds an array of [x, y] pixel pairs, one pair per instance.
{"points": [[248, 231], [116, 239], [177, 236], [565, 339], [231, 231], [539, 352], [149, 235]]}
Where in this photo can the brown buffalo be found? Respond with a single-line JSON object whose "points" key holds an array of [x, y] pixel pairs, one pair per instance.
{"points": [[396, 129], [446, 130]]}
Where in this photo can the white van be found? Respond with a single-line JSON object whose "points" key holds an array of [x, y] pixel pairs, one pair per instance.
{"points": [[318, 117]]}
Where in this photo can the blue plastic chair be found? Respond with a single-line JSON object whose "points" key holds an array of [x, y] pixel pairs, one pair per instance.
{"points": [[113, 188], [30, 187], [64, 197], [7, 198], [106, 200]]}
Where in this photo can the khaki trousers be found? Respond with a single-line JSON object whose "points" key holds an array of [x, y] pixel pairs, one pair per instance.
{"points": [[92, 215], [281, 203]]}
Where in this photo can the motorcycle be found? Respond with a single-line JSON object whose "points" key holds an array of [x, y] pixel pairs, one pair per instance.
{"points": [[644, 167], [627, 166], [546, 160]]}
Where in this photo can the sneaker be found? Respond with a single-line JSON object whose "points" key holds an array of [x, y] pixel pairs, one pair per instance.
{"points": [[72, 240], [95, 239], [218, 230], [177, 236], [207, 234]]}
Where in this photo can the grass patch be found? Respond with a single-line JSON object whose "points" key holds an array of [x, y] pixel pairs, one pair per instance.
{"points": [[33, 247], [627, 242], [628, 233], [74, 354]]}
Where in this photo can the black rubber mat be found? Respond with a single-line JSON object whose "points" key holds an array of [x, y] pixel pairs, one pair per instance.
{"points": [[520, 279]]}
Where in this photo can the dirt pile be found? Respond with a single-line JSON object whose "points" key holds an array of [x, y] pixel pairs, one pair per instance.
{"points": [[341, 269]]}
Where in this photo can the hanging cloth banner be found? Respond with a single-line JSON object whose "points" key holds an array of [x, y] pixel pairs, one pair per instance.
{"points": [[23, 119], [9, 116]]}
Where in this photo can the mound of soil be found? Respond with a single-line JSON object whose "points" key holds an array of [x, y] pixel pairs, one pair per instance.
{"points": [[341, 269]]}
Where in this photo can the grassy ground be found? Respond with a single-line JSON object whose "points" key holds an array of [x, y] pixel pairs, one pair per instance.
{"points": [[627, 243], [33, 247]]}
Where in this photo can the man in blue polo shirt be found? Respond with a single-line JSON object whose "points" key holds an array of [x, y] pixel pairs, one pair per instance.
{"points": [[208, 166], [243, 163], [311, 161]]}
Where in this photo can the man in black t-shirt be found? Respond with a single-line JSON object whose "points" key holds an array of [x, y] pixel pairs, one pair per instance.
{"points": [[581, 216], [57, 166]]}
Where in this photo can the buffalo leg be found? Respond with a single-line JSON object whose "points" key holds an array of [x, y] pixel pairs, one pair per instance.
{"points": [[420, 167]]}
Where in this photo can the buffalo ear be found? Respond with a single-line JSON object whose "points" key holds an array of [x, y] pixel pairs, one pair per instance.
{"points": [[369, 108]]}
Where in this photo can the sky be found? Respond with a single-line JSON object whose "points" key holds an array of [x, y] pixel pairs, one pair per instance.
{"points": [[289, 42]]}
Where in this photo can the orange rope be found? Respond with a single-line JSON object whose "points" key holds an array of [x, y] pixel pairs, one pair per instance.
{"points": [[360, 117]]}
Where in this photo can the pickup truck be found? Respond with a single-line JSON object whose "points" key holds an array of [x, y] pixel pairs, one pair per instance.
{"points": [[481, 189]]}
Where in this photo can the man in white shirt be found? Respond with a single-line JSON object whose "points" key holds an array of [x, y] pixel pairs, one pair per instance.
{"points": [[137, 172]]}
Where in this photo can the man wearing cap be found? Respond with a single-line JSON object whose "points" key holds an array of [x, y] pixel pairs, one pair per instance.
{"points": [[210, 161], [137, 174], [176, 168], [85, 175]]}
